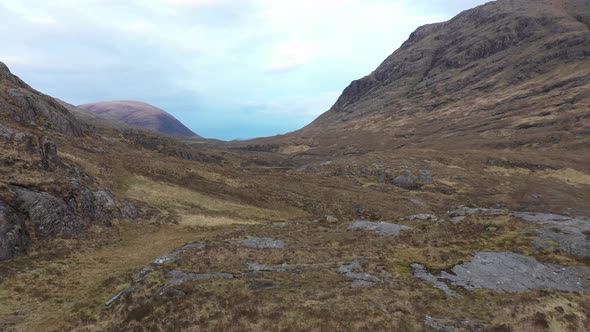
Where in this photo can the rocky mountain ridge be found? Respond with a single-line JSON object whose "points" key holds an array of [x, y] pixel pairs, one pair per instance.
{"points": [[510, 73]]}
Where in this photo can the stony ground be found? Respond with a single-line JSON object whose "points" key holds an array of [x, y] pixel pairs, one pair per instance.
{"points": [[485, 272]]}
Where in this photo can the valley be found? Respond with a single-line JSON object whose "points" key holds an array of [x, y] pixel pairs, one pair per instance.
{"points": [[446, 191]]}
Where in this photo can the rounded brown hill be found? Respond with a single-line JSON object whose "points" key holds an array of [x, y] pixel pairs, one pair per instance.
{"points": [[140, 114]]}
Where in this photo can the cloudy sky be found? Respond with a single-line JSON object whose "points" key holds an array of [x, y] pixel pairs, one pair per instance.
{"points": [[228, 69]]}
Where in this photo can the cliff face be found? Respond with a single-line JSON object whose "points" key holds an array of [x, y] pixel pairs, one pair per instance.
{"points": [[514, 66]]}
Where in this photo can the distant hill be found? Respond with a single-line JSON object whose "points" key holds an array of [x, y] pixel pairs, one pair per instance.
{"points": [[140, 114]]}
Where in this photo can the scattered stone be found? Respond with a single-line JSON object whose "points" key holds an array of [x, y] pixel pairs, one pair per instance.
{"points": [[180, 277], [510, 272], [381, 228], [263, 243], [331, 219], [422, 273], [491, 229], [14, 237], [421, 216], [360, 279], [261, 285], [462, 211]]}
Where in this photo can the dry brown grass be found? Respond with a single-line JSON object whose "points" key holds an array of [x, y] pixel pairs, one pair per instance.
{"points": [[168, 196]]}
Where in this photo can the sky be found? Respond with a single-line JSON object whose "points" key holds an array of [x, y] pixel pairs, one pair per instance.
{"points": [[228, 69]]}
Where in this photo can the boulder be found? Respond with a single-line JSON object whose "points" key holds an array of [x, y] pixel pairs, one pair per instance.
{"points": [[14, 237]]}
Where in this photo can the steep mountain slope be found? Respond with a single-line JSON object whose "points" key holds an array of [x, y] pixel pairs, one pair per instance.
{"points": [[140, 114], [510, 73], [28, 107]]}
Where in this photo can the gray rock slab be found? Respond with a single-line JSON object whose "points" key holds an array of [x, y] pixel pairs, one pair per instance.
{"points": [[510, 272], [263, 243], [381, 228]]}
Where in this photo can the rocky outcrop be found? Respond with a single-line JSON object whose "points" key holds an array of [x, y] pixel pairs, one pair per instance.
{"points": [[14, 237], [354, 271], [48, 152], [99, 207], [50, 216], [30, 107], [567, 234]]}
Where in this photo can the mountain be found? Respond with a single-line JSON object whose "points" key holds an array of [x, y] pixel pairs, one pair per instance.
{"points": [[140, 114], [509, 73]]}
